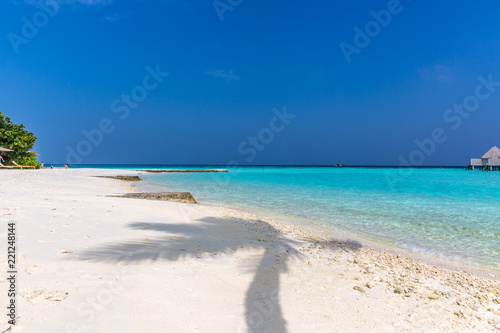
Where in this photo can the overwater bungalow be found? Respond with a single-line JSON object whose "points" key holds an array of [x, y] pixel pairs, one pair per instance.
{"points": [[488, 162]]}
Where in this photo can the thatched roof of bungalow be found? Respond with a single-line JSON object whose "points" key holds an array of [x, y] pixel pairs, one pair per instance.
{"points": [[494, 152]]}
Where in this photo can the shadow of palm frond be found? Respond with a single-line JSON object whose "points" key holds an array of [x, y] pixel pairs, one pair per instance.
{"points": [[214, 236]]}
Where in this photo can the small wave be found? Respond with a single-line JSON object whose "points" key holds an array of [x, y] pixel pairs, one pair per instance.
{"points": [[434, 253]]}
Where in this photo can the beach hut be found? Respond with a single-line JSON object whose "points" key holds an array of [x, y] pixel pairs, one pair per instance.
{"points": [[4, 150], [489, 161]]}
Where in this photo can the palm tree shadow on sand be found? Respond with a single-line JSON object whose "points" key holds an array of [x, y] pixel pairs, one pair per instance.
{"points": [[217, 235]]}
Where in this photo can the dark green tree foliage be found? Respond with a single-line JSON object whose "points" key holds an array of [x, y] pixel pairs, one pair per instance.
{"points": [[17, 138]]}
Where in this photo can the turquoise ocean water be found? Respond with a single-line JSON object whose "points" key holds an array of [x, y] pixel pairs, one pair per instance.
{"points": [[449, 212]]}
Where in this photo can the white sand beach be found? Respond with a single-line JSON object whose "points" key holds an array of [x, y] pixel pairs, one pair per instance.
{"points": [[91, 263]]}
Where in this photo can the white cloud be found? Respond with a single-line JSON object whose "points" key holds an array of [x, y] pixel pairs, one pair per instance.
{"points": [[437, 72], [222, 74], [66, 2], [89, 2], [118, 16], [189, 4]]}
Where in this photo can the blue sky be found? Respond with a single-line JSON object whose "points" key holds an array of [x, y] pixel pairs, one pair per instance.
{"points": [[270, 83]]}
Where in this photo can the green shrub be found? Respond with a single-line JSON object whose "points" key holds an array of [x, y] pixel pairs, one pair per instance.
{"points": [[17, 138]]}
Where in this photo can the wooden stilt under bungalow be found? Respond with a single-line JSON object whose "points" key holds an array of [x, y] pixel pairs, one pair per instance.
{"points": [[488, 162]]}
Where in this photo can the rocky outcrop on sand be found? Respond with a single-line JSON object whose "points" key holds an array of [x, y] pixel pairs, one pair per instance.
{"points": [[182, 170], [126, 178], [184, 197]]}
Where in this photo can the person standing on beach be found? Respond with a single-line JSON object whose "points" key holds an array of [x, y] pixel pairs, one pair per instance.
{"points": [[43, 164], [1, 159]]}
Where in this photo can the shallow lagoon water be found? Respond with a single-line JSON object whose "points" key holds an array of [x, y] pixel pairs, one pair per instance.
{"points": [[448, 212]]}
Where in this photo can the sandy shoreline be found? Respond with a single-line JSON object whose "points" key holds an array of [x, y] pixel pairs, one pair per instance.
{"points": [[448, 262], [478, 268], [91, 263]]}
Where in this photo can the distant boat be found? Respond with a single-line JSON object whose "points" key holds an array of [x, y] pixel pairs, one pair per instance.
{"points": [[339, 165]]}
